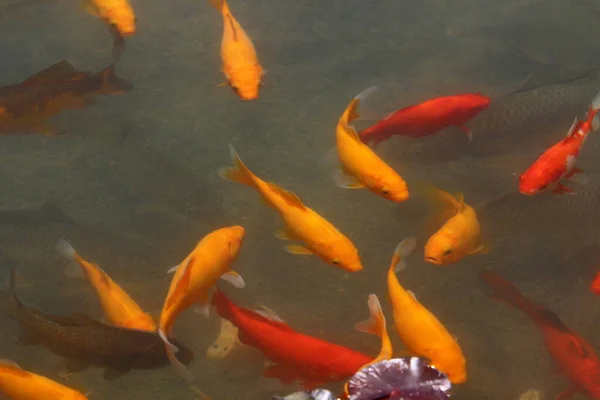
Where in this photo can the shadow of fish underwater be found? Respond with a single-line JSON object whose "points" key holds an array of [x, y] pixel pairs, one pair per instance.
{"points": [[83, 341], [28, 239]]}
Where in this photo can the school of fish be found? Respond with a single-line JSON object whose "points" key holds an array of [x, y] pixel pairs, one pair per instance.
{"points": [[129, 338]]}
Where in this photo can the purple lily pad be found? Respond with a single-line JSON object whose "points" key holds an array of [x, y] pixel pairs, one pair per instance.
{"points": [[407, 378]]}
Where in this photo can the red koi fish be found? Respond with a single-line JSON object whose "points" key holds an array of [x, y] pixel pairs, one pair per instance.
{"points": [[574, 355], [595, 285], [427, 118], [558, 162], [314, 362]]}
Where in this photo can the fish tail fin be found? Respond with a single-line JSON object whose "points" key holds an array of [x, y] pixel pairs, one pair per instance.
{"points": [[15, 303], [220, 5], [376, 325], [403, 250], [238, 172], [508, 293], [74, 270], [111, 83]]}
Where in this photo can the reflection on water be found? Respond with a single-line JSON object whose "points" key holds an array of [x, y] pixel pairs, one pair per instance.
{"points": [[131, 182]]}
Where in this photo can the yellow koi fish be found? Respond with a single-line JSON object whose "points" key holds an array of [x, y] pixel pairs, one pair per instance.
{"points": [[194, 278], [119, 308], [18, 384], [361, 167], [459, 236], [320, 237], [240, 63], [418, 328], [116, 13]]}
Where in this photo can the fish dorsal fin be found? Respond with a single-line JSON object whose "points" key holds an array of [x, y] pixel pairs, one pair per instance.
{"points": [[183, 282], [9, 363], [290, 197], [269, 314], [79, 320], [264, 315], [460, 201], [60, 71]]}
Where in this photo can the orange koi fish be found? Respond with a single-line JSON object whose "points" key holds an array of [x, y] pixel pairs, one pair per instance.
{"points": [[194, 278], [240, 63], [558, 162], [459, 236], [116, 13], [320, 237], [27, 106], [361, 167], [18, 384], [418, 328], [119, 308]]}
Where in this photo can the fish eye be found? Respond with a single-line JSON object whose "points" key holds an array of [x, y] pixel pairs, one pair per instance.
{"points": [[385, 191], [336, 262], [447, 252], [543, 187]]}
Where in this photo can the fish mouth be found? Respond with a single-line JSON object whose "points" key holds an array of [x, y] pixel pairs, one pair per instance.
{"points": [[433, 260]]}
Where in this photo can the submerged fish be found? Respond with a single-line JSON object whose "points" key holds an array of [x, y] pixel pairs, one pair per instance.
{"points": [[116, 13], [240, 63], [26, 107], [575, 357], [23, 385], [84, 341]]}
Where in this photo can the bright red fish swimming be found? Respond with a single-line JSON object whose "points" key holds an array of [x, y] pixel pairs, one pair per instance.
{"points": [[427, 118], [574, 355], [312, 361], [595, 285], [558, 162]]}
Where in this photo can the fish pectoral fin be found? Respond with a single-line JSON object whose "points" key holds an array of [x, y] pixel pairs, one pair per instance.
{"points": [[89, 7], [560, 189], [482, 248], [298, 249], [579, 177], [346, 181], [468, 132], [202, 309], [285, 234], [223, 84], [269, 314], [111, 374], [26, 339], [234, 278]]}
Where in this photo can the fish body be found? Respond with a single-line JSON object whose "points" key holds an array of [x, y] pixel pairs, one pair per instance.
{"points": [[595, 285], [119, 308], [427, 118], [361, 167], [116, 13], [558, 162], [572, 353], [320, 237], [459, 236], [418, 328], [297, 356], [27, 106], [83, 339], [18, 384], [240, 62], [198, 273]]}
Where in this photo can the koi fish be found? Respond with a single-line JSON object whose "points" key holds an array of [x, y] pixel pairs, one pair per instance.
{"points": [[595, 285], [194, 278], [558, 162], [240, 63], [572, 353], [297, 356], [417, 327], [459, 236], [116, 13], [428, 118], [361, 167], [18, 384], [84, 341], [27, 106], [119, 309], [301, 223]]}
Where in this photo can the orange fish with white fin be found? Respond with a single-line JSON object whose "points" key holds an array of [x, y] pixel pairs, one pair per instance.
{"points": [[194, 278], [240, 63], [18, 384], [303, 224], [119, 308], [360, 166]]}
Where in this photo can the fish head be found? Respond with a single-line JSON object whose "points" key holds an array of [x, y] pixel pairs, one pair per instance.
{"points": [[444, 247], [391, 186], [472, 104], [122, 18], [340, 252], [246, 82], [235, 237], [536, 179]]}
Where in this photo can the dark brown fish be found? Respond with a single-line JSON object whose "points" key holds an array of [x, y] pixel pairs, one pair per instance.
{"points": [[84, 341], [26, 107]]}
